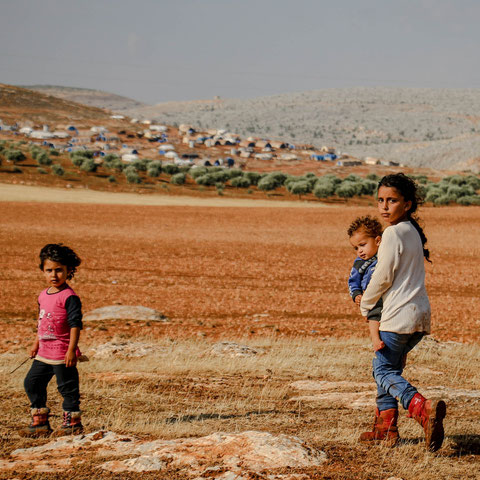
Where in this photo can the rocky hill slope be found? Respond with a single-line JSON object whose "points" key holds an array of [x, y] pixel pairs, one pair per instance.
{"points": [[87, 96], [437, 128]]}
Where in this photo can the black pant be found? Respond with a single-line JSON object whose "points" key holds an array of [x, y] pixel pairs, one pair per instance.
{"points": [[37, 380]]}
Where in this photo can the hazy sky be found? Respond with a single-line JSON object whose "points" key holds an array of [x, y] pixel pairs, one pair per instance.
{"points": [[161, 50]]}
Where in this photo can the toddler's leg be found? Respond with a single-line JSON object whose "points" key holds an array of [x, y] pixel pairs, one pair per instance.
{"points": [[36, 382], [68, 386]]}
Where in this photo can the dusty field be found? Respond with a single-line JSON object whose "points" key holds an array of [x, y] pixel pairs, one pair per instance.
{"points": [[271, 277]]}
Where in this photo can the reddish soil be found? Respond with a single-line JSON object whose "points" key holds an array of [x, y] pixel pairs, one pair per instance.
{"points": [[224, 272]]}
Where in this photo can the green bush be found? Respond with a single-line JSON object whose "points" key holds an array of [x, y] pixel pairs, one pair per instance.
{"points": [[88, 165], [132, 175], [253, 177], [112, 179], [234, 172], [369, 187], [469, 200], [460, 191], [82, 153], [35, 151], [324, 189], [154, 169], [178, 178], [78, 160], [300, 188], [220, 187], [445, 199], [373, 176], [15, 156], [473, 181], [267, 183], [43, 158], [196, 172], [347, 189], [433, 192], [170, 169], [206, 180], [140, 165], [240, 182], [58, 169], [54, 152]]}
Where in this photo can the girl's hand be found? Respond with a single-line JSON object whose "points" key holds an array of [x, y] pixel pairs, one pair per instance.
{"points": [[378, 345], [70, 358], [358, 299], [34, 349]]}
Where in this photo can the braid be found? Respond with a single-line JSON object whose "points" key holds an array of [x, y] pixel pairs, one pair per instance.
{"points": [[408, 188], [414, 221]]}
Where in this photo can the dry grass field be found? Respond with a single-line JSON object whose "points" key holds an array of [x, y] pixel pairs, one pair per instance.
{"points": [[267, 277]]}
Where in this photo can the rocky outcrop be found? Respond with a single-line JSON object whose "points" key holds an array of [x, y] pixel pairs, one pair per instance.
{"points": [[125, 312]]}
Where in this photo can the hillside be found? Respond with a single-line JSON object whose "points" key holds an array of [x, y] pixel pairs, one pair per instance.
{"points": [[437, 128], [90, 97], [20, 104]]}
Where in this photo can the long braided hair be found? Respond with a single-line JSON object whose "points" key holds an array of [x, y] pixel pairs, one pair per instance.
{"points": [[409, 190]]}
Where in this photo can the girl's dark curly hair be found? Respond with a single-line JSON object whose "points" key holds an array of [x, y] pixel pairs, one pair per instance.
{"points": [[57, 252], [409, 190], [371, 225]]}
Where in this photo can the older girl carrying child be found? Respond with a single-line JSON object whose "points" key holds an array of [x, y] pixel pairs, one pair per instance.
{"points": [[399, 279]]}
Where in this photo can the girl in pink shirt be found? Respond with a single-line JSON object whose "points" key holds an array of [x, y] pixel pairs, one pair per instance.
{"points": [[55, 349]]}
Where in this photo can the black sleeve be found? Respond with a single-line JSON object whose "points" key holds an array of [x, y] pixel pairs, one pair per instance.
{"points": [[73, 306]]}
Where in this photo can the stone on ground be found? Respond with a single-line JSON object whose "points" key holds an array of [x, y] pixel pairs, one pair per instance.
{"points": [[232, 349], [125, 312], [229, 454]]}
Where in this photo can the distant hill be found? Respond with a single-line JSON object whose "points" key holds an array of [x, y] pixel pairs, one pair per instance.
{"points": [[21, 104], [86, 96], [437, 128]]}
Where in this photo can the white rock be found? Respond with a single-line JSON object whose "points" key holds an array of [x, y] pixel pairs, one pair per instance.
{"points": [[232, 349], [125, 312]]}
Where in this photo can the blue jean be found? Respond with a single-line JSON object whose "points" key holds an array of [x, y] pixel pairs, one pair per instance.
{"points": [[388, 368]]}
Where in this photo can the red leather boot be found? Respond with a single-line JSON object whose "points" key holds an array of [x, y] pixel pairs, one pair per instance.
{"points": [[384, 428], [40, 426], [429, 414]]}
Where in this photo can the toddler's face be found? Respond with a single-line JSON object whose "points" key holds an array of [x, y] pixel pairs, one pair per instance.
{"points": [[55, 273], [364, 245]]}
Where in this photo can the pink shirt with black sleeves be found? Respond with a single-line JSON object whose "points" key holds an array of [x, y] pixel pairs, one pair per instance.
{"points": [[58, 313]]}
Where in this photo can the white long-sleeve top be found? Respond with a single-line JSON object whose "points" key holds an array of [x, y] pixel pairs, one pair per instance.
{"points": [[399, 279]]}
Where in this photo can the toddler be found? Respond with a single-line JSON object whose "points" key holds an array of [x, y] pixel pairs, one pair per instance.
{"points": [[365, 234], [55, 349]]}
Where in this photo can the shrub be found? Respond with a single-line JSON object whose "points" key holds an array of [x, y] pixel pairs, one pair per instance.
{"points": [[469, 200], [132, 175], [455, 180], [373, 176], [369, 187], [140, 165], [170, 169], [154, 169], [422, 179], [206, 180], [117, 165], [88, 165], [473, 182], [41, 170], [353, 178], [219, 186], [444, 199], [54, 152], [35, 151], [15, 156], [240, 182], [433, 193], [112, 179], [267, 183], [178, 178], [347, 189], [82, 153], [460, 191], [16, 169], [324, 189], [234, 172], [196, 172], [78, 160], [253, 177], [300, 188], [43, 158], [58, 169]]}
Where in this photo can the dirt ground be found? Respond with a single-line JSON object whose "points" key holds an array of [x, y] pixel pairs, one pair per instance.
{"points": [[227, 271], [271, 277]]}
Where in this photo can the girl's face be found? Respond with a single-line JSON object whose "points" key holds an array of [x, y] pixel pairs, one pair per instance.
{"points": [[56, 274], [392, 206]]}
